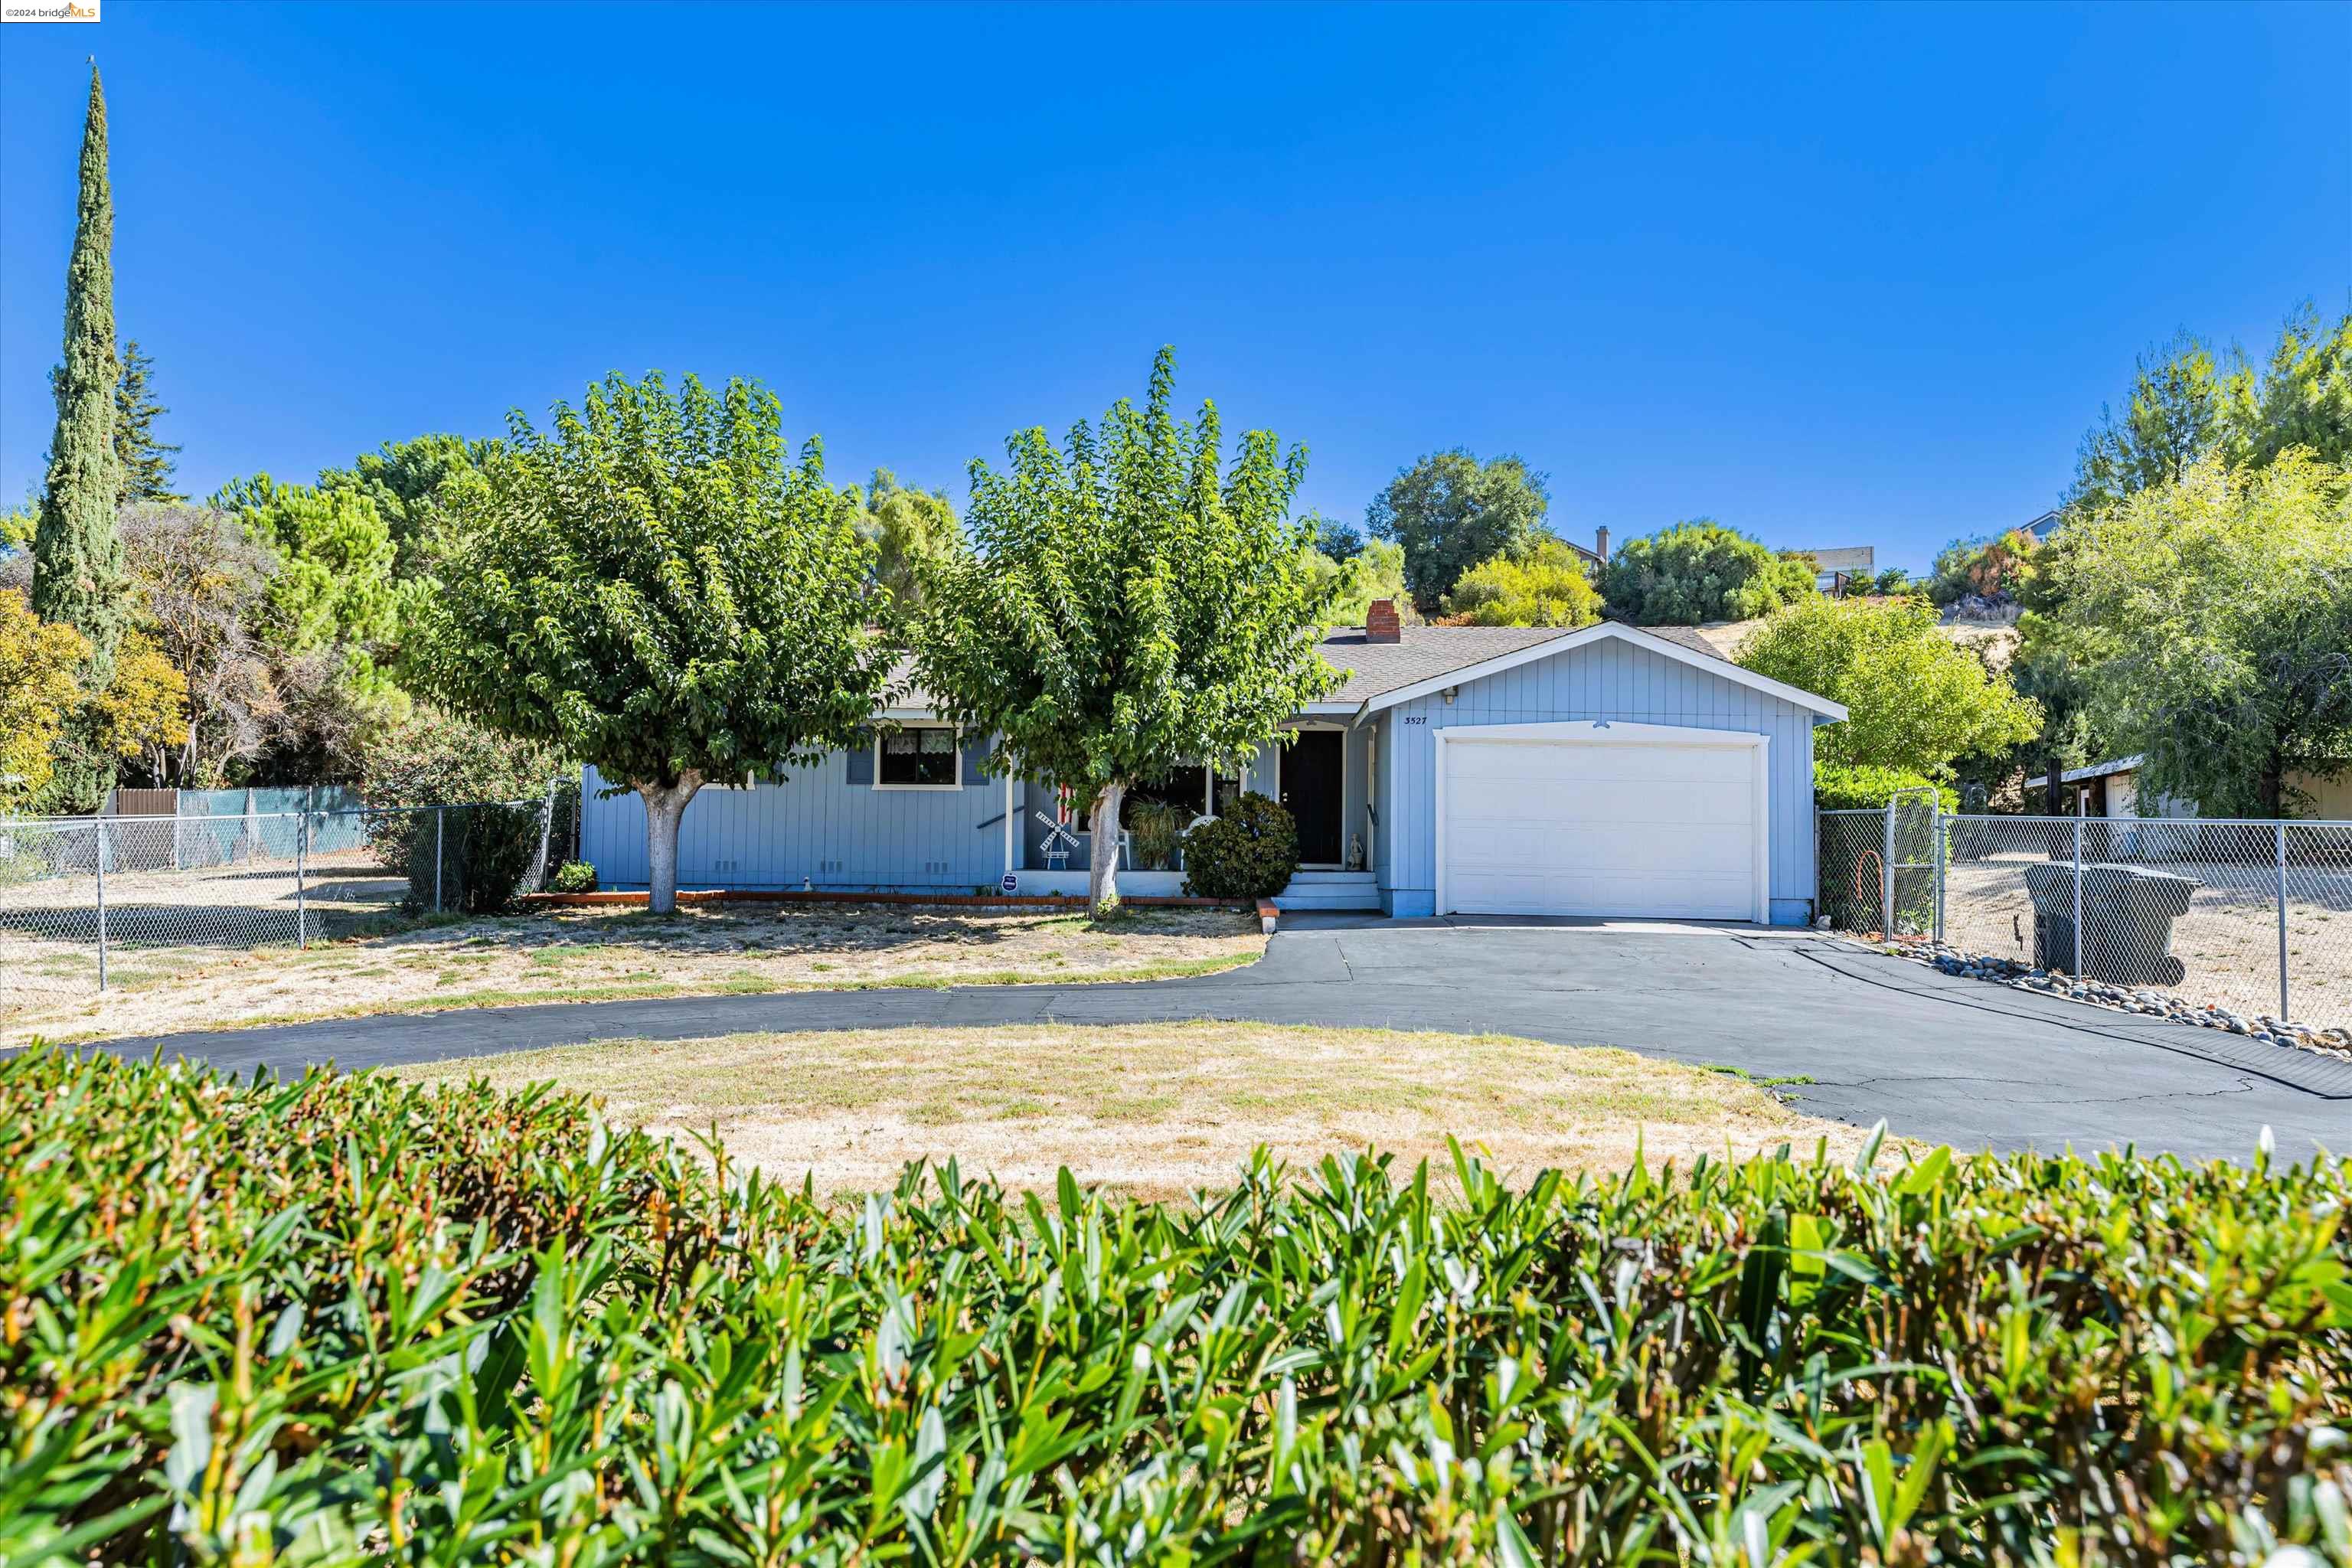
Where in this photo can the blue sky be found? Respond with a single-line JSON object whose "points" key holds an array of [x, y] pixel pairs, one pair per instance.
{"points": [[1833, 276]]}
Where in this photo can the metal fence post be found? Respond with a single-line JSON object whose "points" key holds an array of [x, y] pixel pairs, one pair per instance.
{"points": [[1886, 877], [301, 864], [2078, 897], [438, 813], [2282, 920], [99, 824], [546, 827], [1936, 820]]}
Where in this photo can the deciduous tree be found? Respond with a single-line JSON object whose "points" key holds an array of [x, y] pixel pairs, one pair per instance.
{"points": [[142, 714], [653, 587], [1335, 539], [1122, 605], [2213, 618], [904, 526], [2188, 404], [1347, 588], [203, 588], [1916, 699], [1700, 571], [1451, 512], [38, 694]]}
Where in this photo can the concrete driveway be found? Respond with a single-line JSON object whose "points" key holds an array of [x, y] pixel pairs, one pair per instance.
{"points": [[1938, 1059]]}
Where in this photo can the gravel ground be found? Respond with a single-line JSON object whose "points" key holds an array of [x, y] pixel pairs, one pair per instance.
{"points": [[2147, 1002]]}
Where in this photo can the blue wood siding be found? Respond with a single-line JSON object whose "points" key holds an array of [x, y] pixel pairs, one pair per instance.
{"points": [[814, 827], [1604, 680], [818, 827]]}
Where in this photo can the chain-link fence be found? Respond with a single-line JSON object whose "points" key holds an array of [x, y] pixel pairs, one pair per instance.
{"points": [[2253, 916], [88, 903]]}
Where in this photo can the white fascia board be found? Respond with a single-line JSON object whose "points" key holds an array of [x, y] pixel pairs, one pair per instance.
{"points": [[1827, 711]]}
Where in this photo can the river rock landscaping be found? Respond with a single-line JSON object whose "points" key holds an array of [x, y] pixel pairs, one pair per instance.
{"points": [[2146, 1000]]}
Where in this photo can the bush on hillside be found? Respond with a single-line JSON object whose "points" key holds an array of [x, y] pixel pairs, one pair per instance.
{"points": [[1543, 585], [1249, 852], [1990, 568], [362, 1319], [1700, 571]]}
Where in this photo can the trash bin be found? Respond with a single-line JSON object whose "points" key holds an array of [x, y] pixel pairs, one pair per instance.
{"points": [[2127, 915]]}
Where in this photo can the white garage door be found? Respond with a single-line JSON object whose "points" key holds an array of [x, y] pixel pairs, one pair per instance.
{"points": [[1590, 827]]}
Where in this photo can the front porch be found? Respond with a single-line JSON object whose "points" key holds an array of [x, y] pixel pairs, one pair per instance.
{"points": [[1323, 776]]}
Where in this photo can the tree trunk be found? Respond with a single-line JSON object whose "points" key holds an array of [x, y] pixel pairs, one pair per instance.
{"points": [[2271, 788], [1102, 858], [665, 808]]}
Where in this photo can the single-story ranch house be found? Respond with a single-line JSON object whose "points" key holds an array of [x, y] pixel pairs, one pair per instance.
{"points": [[1605, 771]]}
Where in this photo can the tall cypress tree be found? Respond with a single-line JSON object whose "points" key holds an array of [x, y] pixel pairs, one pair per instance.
{"points": [[78, 576]]}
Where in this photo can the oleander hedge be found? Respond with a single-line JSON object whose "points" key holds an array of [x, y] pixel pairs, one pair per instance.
{"points": [[343, 1319]]}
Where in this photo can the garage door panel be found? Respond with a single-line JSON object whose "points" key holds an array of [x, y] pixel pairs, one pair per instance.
{"points": [[1530, 842], [1663, 802], [1632, 897], [1592, 828]]}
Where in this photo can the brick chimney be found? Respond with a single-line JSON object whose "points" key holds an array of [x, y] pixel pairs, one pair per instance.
{"points": [[1380, 622], [1601, 542]]}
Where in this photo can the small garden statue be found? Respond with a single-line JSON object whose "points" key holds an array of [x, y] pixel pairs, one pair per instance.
{"points": [[1355, 852]]}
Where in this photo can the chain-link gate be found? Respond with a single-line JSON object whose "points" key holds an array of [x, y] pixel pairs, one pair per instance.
{"points": [[1907, 897], [2254, 917]]}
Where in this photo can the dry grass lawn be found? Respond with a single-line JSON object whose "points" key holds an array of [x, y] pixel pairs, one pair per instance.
{"points": [[612, 954], [1158, 1110]]}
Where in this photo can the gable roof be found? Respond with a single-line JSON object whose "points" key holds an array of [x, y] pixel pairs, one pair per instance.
{"points": [[1426, 659], [1378, 675]]}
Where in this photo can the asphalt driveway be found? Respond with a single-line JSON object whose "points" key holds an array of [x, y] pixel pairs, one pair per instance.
{"points": [[1939, 1059]]}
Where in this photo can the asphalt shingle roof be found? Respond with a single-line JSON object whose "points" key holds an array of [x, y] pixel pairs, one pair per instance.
{"points": [[1370, 669], [1421, 652]]}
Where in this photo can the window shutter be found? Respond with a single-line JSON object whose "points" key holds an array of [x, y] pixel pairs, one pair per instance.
{"points": [[861, 759], [975, 753]]}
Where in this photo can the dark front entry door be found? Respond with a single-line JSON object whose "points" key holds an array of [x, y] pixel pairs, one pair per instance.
{"points": [[1310, 793]]}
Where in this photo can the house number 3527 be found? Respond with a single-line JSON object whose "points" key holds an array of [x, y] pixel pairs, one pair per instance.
{"points": [[1413, 719]]}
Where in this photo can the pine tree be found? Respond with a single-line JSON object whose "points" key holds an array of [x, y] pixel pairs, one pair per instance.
{"points": [[78, 576], [146, 464]]}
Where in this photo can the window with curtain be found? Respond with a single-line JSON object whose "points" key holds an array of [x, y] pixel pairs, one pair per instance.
{"points": [[918, 757]]}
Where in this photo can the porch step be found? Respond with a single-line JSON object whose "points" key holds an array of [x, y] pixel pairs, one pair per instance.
{"points": [[1330, 890]]}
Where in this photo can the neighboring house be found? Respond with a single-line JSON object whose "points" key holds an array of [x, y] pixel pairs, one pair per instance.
{"points": [[1606, 771], [2042, 527], [1596, 560], [2113, 789], [1841, 572]]}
